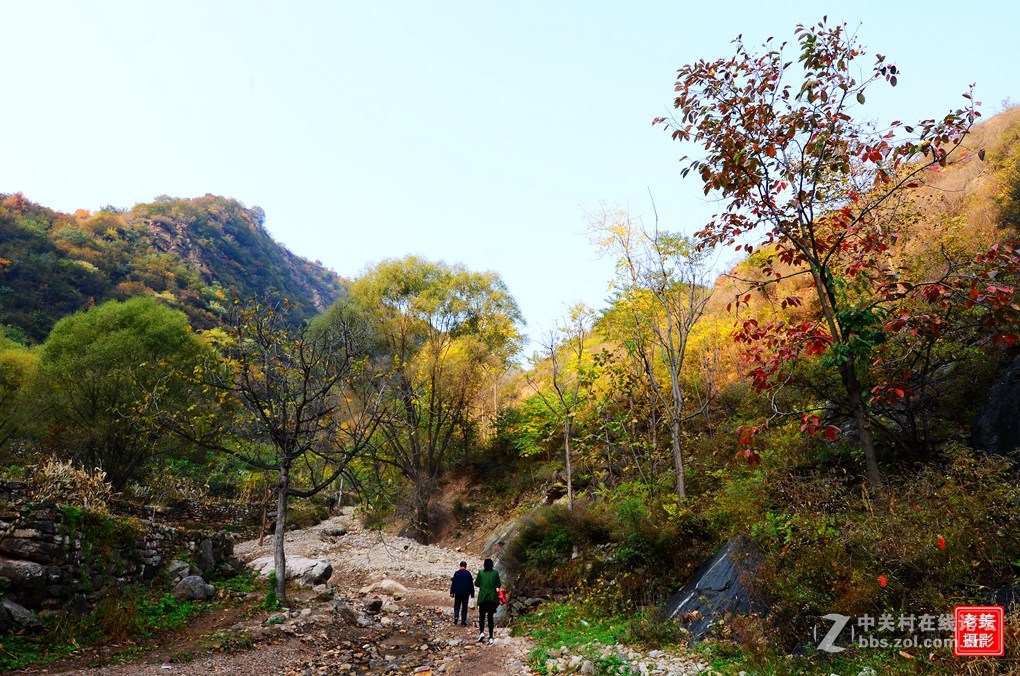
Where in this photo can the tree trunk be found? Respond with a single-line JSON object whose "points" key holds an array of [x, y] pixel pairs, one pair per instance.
{"points": [[678, 457], [570, 478], [279, 557], [848, 374], [422, 500], [853, 390]]}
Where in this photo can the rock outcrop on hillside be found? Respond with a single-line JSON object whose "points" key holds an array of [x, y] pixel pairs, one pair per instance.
{"points": [[228, 244], [718, 588], [997, 428]]}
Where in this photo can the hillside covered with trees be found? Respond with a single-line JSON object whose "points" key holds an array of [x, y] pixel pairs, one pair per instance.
{"points": [[817, 401], [193, 254]]}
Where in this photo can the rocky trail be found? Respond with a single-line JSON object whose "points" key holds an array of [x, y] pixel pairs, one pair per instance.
{"points": [[380, 606], [385, 609]]}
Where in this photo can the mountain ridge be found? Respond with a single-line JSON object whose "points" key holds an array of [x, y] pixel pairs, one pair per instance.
{"points": [[192, 253]]}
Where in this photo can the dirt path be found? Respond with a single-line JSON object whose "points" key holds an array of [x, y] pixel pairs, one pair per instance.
{"points": [[342, 628], [361, 558]]}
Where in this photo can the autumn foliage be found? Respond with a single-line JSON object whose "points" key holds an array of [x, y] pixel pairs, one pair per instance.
{"points": [[815, 193]]}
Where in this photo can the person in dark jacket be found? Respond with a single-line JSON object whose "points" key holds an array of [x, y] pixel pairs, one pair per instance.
{"points": [[462, 587], [487, 580]]}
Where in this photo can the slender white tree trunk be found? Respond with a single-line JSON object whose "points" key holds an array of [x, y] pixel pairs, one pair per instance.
{"points": [[279, 557], [678, 457], [570, 477]]}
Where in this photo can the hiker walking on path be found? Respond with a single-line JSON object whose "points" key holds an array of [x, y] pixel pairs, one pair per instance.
{"points": [[487, 580], [462, 587]]}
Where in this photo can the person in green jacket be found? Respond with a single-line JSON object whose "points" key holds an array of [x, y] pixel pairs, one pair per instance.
{"points": [[487, 580]]}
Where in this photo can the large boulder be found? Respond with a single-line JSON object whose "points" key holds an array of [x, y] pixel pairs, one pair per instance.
{"points": [[205, 557], [333, 530], [718, 588], [18, 617], [193, 588], [32, 547], [26, 581], [997, 428], [387, 586], [306, 571]]}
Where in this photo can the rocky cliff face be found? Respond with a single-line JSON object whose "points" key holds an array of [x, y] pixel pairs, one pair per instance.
{"points": [[997, 428], [228, 245]]}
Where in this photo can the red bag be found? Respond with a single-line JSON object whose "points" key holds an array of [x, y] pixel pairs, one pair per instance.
{"points": [[501, 595]]}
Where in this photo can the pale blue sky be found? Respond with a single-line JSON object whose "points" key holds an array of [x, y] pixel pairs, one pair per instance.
{"points": [[471, 132]]}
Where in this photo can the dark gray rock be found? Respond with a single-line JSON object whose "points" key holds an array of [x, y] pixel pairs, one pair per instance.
{"points": [[1008, 597], [231, 566], [718, 588], [178, 570], [997, 428], [32, 549], [193, 588], [59, 591], [53, 574], [28, 581], [373, 605], [21, 617], [205, 558], [317, 574], [77, 605]]}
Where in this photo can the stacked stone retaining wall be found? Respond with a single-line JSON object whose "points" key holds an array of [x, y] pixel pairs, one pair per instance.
{"points": [[61, 558]]}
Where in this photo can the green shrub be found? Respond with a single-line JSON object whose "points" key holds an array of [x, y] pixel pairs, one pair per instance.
{"points": [[629, 552], [271, 600], [164, 613], [172, 482], [243, 583], [547, 538], [653, 629], [18, 652], [583, 628], [306, 513], [102, 534]]}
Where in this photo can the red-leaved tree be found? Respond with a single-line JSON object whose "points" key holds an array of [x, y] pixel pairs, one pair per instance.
{"points": [[814, 187]]}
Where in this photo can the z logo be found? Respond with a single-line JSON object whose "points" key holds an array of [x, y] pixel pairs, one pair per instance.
{"points": [[828, 641]]}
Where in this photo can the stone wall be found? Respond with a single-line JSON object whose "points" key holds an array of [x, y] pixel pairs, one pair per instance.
{"points": [[244, 518], [55, 558]]}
